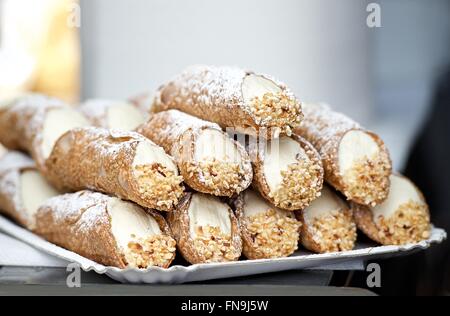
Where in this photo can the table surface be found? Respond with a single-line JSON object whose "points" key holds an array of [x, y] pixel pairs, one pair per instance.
{"points": [[52, 281]]}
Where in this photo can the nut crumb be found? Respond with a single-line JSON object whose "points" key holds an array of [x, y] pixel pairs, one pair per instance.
{"points": [[334, 231], [301, 184], [157, 250], [409, 224], [368, 180], [220, 177], [214, 245], [274, 234], [157, 183], [276, 110]]}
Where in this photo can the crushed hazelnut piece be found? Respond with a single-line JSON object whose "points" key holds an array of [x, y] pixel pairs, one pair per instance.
{"points": [[214, 245], [219, 176], [276, 110], [275, 234], [409, 224], [159, 184], [368, 179], [334, 231], [301, 185], [156, 250]]}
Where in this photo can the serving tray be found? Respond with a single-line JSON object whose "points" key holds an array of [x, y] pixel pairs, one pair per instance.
{"points": [[200, 272]]}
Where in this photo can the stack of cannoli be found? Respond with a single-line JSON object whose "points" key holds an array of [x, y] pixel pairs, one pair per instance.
{"points": [[226, 163]]}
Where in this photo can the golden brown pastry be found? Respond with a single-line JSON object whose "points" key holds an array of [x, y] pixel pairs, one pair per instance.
{"points": [[249, 103], [107, 230], [356, 162], [119, 163]]}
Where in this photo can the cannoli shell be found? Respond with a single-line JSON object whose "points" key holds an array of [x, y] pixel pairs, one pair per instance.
{"points": [[324, 129], [80, 222], [21, 124], [213, 94], [179, 223], [97, 159]]}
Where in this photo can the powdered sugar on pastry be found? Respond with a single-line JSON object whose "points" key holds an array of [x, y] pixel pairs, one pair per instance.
{"points": [[15, 160], [33, 123], [124, 164], [107, 230], [356, 162], [232, 97]]}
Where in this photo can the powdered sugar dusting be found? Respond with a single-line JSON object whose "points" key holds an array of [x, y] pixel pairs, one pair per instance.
{"points": [[87, 208], [319, 119], [214, 94], [15, 160]]}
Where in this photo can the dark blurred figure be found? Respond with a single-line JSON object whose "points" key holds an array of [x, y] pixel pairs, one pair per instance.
{"points": [[429, 167]]}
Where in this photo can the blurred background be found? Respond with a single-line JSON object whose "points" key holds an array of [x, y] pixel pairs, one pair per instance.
{"points": [[386, 77]]}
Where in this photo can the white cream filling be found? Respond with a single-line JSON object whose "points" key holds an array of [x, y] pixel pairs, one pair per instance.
{"points": [[212, 143], [124, 116], [256, 86], [355, 146], [401, 191], [323, 205], [254, 204], [2, 151], [35, 190], [57, 122], [130, 222], [148, 153], [208, 210], [279, 154]]}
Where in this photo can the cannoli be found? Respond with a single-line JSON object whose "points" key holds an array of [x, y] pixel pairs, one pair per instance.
{"points": [[22, 188], [401, 219], [287, 171], [206, 230], [113, 114], [107, 230], [208, 159], [328, 224], [120, 163], [33, 123], [233, 98], [356, 162], [267, 231]]}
